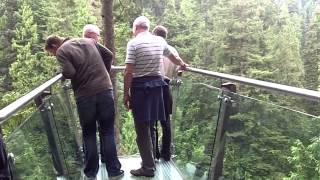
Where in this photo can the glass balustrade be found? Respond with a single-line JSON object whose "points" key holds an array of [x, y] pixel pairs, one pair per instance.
{"points": [[69, 131], [268, 141], [31, 149], [245, 137], [127, 145], [259, 139], [196, 109], [47, 145]]}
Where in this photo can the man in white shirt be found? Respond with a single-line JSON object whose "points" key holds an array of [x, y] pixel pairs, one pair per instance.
{"points": [[143, 84]]}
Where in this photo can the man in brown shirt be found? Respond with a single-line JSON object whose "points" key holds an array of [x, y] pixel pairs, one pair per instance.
{"points": [[82, 63]]}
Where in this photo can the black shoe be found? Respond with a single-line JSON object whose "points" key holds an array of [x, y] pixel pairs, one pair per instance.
{"points": [[142, 172], [117, 175], [166, 157], [103, 161], [157, 155]]}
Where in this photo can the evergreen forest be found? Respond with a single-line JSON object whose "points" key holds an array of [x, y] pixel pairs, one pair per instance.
{"points": [[269, 135]]}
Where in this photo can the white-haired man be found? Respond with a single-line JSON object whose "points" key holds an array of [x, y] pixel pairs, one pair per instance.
{"points": [[143, 83], [93, 31]]}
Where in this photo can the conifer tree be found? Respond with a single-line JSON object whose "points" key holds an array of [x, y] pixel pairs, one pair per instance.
{"points": [[7, 54]]}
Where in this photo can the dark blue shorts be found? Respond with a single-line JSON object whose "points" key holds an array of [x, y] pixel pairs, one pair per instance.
{"points": [[147, 99]]}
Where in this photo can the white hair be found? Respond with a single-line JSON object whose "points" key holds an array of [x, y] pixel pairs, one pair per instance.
{"points": [[142, 21], [90, 28]]}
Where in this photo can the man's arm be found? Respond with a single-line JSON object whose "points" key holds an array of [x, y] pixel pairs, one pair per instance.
{"points": [[67, 69], [107, 56], [173, 56], [177, 61], [128, 75]]}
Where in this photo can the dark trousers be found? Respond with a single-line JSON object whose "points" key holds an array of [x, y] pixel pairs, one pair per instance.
{"points": [[101, 146], [98, 108], [145, 145], [166, 139], [5, 171], [165, 126]]}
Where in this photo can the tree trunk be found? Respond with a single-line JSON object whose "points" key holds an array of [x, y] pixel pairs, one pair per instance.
{"points": [[108, 31]]}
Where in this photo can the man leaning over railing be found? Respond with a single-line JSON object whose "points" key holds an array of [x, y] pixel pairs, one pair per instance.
{"points": [[82, 63]]}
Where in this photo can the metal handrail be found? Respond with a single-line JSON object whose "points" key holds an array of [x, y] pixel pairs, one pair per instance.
{"points": [[310, 94], [9, 110], [117, 68], [305, 93]]}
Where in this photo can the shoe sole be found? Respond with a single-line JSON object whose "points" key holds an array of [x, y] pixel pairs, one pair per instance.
{"points": [[143, 175], [116, 177]]}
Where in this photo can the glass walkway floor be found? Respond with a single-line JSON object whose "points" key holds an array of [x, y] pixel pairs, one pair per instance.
{"points": [[165, 170]]}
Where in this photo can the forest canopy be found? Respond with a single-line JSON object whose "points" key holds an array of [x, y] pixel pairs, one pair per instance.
{"points": [[271, 40]]}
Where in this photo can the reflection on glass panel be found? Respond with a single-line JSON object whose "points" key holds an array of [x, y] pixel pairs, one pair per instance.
{"points": [[127, 143], [69, 133], [266, 141], [194, 125], [30, 147]]}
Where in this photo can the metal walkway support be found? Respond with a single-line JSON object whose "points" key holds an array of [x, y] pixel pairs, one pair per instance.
{"points": [[51, 131], [226, 109]]}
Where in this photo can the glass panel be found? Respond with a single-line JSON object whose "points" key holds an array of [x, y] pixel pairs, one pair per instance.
{"points": [[69, 132], [267, 141], [194, 125], [127, 143], [29, 144]]}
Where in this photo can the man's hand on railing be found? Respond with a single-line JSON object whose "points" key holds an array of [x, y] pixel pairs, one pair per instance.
{"points": [[184, 66]]}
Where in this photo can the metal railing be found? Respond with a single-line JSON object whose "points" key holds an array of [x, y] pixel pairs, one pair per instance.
{"points": [[301, 92], [9, 110], [310, 94], [217, 162]]}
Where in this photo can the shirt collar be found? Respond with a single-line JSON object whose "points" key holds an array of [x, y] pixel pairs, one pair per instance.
{"points": [[144, 33]]}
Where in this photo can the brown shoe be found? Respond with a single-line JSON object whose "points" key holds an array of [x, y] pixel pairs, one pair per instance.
{"points": [[142, 172]]}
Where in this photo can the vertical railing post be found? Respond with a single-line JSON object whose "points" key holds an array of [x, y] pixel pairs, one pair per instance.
{"points": [[216, 170], [50, 128]]}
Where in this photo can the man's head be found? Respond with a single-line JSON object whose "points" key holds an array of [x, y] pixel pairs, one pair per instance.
{"points": [[140, 24], [52, 44], [160, 31], [91, 31]]}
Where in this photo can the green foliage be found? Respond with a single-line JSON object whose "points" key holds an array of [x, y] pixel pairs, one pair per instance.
{"points": [[28, 23], [305, 159], [258, 39], [32, 66], [29, 145], [122, 36], [263, 39], [7, 26], [29, 142], [128, 135]]}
